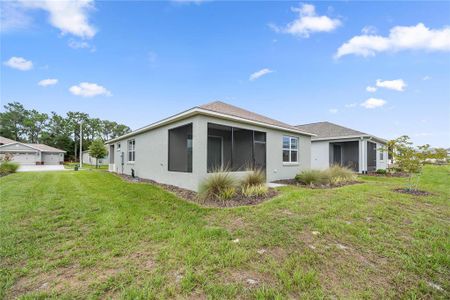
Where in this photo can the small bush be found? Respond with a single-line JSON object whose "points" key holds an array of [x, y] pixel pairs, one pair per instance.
{"points": [[381, 171], [8, 168], [340, 174], [227, 193], [333, 175], [254, 190], [254, 177], [216, 185], [309, 177]]}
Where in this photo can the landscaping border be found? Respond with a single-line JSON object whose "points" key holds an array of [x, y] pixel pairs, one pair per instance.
{"points": [[192, 196]]}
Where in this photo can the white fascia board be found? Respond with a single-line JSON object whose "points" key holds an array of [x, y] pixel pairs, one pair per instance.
{"points": [[11, 150], [196, 111]]}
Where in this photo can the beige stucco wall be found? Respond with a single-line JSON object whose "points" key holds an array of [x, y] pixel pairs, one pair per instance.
{"points": [[152, 153]]}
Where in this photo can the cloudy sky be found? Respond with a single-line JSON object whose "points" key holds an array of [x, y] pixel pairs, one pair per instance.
{"points": [[382, 68]]}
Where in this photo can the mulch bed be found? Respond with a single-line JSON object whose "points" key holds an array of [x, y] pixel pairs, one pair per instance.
{"points": [[413, 192], [312, 186], [191, 196]]}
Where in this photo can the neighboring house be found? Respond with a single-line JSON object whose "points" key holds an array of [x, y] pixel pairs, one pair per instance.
{"points": [[88, 159], [181, 150], [4, 141], [31, 154], [335, 144]]}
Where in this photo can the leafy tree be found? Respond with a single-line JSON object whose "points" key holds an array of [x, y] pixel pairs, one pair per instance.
{"points": [[63, 132], [409, 159], [12, 121], [35, 123], [97, 150]]}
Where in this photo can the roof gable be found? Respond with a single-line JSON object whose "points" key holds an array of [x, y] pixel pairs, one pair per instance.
{"points": [[4, 141]]}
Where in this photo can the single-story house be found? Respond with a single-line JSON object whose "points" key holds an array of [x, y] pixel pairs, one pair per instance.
{"points": [[183, 149], [31, 154], [88, 159], [335, 144], [4, 141]]}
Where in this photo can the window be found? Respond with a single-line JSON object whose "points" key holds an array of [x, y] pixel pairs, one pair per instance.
{"points": [[381, 155], [131, 150], [236, 149], [118, 147], [180, 149], [290, 149]]}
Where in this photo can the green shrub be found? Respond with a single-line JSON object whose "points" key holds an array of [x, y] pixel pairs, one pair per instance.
{"points": [[339, 174], [216, 185], [254, 190], [254, 177], [381, 171], [7, 167], [312, 177], [227, 193], [333, 175]]}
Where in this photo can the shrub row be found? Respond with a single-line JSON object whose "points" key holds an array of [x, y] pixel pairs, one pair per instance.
{"points": [[223, 186], [331, 176], [7, 167]]}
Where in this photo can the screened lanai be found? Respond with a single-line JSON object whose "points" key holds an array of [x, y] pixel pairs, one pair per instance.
{"points": [[234, 148]]}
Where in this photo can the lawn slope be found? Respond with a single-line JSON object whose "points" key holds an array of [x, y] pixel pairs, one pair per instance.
{"points": [[89, 234]]}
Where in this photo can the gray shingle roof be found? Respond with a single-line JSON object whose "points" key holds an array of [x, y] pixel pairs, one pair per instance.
{"points": [[227, 109], [330, 130], [45, 148], [4, 141]]}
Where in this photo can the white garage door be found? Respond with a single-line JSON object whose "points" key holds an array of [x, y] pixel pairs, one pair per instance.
{"points": [[50, 158], [24, 158]]}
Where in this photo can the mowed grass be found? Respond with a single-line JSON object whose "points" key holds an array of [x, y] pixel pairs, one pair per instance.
{"points": [[89, 234]]}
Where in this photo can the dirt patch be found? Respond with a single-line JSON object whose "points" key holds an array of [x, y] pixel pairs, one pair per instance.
{"points": [[238, 200], [316, 186], [61, 279], [413, 192]]}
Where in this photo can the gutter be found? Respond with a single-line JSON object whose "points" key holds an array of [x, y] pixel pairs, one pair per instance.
{"points": [[200, 111]]}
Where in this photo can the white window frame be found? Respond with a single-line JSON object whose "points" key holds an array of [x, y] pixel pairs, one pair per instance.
{"points": [[291, 138], [131, 149]]}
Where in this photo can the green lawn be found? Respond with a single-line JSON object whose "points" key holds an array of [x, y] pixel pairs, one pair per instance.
{"points": [[71, 165], [91, 235]]}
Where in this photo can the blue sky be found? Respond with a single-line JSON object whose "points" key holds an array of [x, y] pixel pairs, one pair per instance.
{"points": [[138, 62]]}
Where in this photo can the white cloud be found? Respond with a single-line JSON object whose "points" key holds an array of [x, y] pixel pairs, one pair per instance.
{"points": [[47, 82], [400, 38], [351, 105], [333, 110], [396, 85], [68, 16], [369, 30], [260, 73], [19, 63], [371, 89], [373, 103], [307, 22], [426, 77], [86, 89], [12, 16], [76, 44]]}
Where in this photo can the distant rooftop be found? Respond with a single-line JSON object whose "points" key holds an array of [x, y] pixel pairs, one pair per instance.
{"points": [[330, 130], [4, 140]]}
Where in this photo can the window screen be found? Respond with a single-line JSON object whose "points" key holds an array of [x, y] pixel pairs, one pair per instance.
{"points": [[180, 149]]}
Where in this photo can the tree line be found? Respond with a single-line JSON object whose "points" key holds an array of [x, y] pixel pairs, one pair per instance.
{"points": [[63, 132]]}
